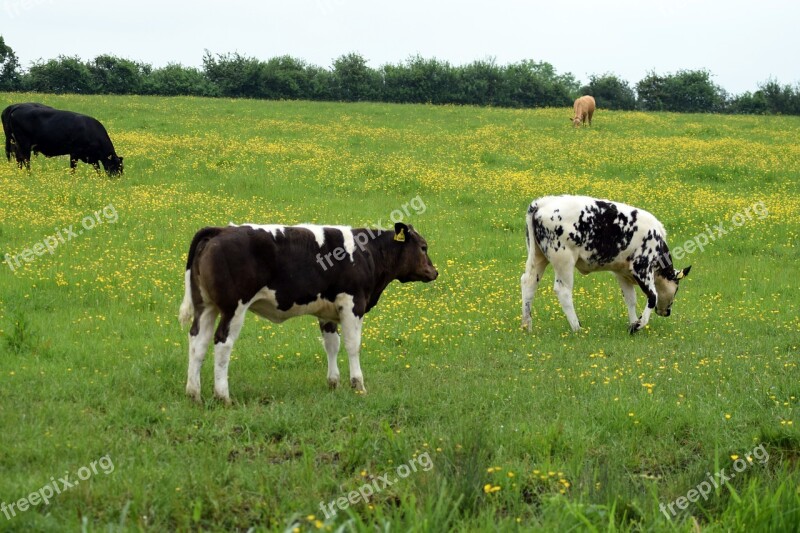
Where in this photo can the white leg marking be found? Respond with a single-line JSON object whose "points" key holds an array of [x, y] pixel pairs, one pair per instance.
{"points": [[563, 288], [331, 342], [198, 345], [222, 355], [629, 295], [530, 281], [186, 312], [351, 330]]}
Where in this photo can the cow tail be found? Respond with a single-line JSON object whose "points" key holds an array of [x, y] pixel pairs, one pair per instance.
{"points": [[186, 313], [7, 132], [529, 230]]}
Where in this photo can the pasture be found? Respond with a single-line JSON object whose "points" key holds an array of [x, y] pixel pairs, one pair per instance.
{"points": [[506, 430]]}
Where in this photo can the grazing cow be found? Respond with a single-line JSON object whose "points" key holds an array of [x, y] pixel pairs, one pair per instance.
{"points": [[38, 128], [334, 273], [590, 235], [584, 109]]}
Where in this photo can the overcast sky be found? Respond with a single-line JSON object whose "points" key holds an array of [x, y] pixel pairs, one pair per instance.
{"points": [[742, 42]]}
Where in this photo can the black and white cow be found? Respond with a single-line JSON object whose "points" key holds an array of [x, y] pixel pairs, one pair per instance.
{"points": [[334, 273], [591, 234]]}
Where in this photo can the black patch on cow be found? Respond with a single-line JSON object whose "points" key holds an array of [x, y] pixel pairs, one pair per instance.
{"points": [[664, 265], [547, 238], [642, 273], [604, 231], [641, 267], [328, 327]]}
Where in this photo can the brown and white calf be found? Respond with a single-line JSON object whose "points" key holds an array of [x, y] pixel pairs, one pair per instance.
{"points": [[334, 273], [591, 234], [584, 109]]}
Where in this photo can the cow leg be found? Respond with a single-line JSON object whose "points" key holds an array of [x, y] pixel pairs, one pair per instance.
{"points": [[563, 288], [530, 281], [351, 329], [330, 339], [23, 154], [629, 295], [199, 337], [230, 325], [647, 284]]}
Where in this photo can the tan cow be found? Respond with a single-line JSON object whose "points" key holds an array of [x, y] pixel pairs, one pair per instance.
{"points": [[584, 109]]}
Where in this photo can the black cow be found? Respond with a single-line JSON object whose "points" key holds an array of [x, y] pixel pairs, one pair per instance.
{"points": [[38, 128], [334, 273]]}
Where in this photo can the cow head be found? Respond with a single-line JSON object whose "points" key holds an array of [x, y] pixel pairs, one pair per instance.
{"points": [[576, 121], [415, 265], [667, 287], [113, 165]]}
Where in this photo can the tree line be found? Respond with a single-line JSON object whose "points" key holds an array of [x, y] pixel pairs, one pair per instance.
{"points": [[416, 80]]}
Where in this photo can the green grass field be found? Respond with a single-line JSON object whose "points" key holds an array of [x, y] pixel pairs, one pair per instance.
{"points": [[507, 430]]}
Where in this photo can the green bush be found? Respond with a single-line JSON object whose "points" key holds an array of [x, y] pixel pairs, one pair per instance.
{"points": [[353, 81], [9, 68], [113, 75], [177, 80], [610, 92], [687, 91], [61, 75]]}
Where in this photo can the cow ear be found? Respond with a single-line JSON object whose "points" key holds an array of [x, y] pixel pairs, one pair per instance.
{"points": [[400, 231], [680, 274]]}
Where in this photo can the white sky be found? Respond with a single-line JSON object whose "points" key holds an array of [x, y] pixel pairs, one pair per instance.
{"points": [[742, 42]]}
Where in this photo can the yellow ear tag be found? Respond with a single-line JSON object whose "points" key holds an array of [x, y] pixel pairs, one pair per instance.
{"points": [[401, 237], [680, 275]]}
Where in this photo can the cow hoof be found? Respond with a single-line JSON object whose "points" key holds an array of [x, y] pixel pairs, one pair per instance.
{"points": [[358, 385], [333, 383], [633, 328], [224, 399], [194, 394]]}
